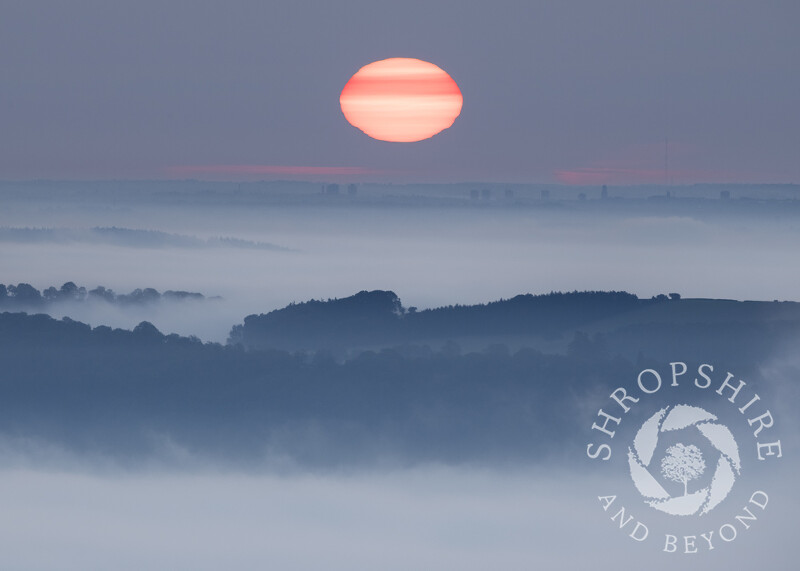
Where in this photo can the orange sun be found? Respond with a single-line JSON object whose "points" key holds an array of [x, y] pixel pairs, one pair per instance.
{"points": [[401, 100]]}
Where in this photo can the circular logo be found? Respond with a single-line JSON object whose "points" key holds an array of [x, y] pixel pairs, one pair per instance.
{"points": [[682, 463]]}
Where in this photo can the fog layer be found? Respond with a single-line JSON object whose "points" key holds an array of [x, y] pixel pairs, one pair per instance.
{"points": [[428, 518], [428, 256]]}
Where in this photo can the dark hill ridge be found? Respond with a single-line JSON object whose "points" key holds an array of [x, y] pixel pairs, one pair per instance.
{"points": [[135, 395], [377, 318], [123, 394]]}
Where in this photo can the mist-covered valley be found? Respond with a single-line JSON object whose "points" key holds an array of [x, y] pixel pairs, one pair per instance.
{"points": [[168, 287], [399, 286], [265, 246], [195, 381]]}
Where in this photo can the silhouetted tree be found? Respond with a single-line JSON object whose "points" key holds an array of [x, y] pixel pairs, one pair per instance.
{"points": [[102, 293], [26, 294]]}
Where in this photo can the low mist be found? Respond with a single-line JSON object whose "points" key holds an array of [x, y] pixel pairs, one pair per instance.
{"points": [[430, 256], [427, 518]]}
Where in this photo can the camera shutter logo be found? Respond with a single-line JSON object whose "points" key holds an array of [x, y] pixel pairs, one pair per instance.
{"points": [[683, 463]]}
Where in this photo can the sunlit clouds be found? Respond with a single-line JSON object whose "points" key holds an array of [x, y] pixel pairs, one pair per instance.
{"points": [[401, 100]]}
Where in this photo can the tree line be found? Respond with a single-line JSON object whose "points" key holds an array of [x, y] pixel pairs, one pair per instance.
{"points": [[24, 295]]}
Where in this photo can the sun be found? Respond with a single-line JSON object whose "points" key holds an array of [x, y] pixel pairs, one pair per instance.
{"points": [[401, 100]]}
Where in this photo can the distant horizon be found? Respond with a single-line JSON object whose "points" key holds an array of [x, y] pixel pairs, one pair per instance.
{"points": [[342, 180]]}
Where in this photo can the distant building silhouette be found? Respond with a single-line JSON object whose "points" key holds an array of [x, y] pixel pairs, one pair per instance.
{"points": [[332, 189], [604, 192], [486, 194], [509, 194], [545, 195], [474, 194], [582, 196], [725, 195], [352, 189]]}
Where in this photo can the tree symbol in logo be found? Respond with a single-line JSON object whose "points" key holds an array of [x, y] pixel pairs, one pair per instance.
{"points": [[683, 463]]}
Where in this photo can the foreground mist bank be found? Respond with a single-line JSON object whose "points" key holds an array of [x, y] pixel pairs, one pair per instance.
{"points": [[364, 381], [430, 517]]}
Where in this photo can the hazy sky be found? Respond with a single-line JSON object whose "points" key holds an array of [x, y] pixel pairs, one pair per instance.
{"points": [[570, 91]]}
